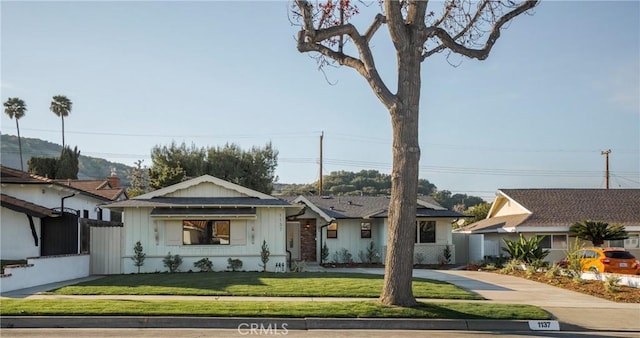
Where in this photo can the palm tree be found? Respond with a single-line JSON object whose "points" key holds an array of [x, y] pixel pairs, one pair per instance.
{"points": [[597, 232], [16, 108], [61, 106]]}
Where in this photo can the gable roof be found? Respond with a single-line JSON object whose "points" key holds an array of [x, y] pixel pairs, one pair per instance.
{"points": [[564, 207], [10, 175], [362, 207], [100, 188], [202, 179]]}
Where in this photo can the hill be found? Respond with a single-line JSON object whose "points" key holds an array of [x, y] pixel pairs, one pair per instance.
{"points": [[89, 168]]}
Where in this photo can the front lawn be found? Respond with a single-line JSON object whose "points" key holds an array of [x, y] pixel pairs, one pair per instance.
{"points": [[351, 309], [305, 284]]}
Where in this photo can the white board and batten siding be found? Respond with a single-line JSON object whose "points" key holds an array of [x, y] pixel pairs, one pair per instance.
{"points": [[205, 189], [160, 236], [349, 237], [106, 246]]}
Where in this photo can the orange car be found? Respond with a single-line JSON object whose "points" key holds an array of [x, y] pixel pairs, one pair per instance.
{"points": [[613, 260]]}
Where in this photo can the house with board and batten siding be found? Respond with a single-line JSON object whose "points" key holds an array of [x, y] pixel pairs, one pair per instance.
{"points": [[204, 217], [352, 223], [550, 213]]}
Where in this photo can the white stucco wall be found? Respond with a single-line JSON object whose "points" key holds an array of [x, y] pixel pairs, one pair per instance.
{"points": [[16, 237], [45, 270], [50, 196]]}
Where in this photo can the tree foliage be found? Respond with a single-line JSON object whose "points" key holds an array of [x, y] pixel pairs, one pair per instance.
{"points": [[466, 27], [66, 166], [254, 168], [597, 232], [460, 202], [362, 183], [61, 106], [15, 107], [478, 211], [68, 163], [139, 180]]}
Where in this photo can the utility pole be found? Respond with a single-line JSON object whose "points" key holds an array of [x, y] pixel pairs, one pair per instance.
{"points": [[606, 173], [320, 193]]}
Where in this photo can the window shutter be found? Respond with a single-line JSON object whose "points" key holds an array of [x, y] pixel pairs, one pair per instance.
{"points": [[238, 233], [174, 233]]}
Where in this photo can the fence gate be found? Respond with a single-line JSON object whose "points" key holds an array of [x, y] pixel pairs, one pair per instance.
{"points": [[105, 247], [59, 235]]}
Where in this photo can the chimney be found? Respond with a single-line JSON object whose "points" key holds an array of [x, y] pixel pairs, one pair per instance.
{"points": [[114, 180]]}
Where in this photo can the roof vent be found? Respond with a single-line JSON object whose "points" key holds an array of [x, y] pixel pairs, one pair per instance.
{"points": [[349, 202], [332, 208]]}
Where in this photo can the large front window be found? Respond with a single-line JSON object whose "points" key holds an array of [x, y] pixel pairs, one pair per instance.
{"points": [[426, 232], [554, 242], [205, 232]]}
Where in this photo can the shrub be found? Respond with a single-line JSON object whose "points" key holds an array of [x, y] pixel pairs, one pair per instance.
{"points": [[574, 260], [511, 266], [420, 257], [299, 266], [234, 264], [138, 255], [526, 250], [205, 265], [611, 283], [447, 254], [264, 255], [553, 271], [324, 253], [371, 256], [341, 256], [172, 262]]}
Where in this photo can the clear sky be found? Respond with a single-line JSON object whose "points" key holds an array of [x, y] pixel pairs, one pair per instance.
{"points": [[559, 87]]}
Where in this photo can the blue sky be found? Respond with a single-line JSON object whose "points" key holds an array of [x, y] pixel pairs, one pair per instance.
{"points": [[559, 87]]}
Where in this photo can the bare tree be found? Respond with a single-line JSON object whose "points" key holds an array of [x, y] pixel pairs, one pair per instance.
{"points": [[465, 27]]}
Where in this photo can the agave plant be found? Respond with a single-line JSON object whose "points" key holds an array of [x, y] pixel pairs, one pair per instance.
{"points": [[597, 232], [526, 250]]}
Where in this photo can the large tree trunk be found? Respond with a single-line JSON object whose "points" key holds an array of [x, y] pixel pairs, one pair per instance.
{"points": [[397, 289]]}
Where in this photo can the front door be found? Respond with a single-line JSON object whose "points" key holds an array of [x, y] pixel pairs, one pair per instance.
{"points": [[293, 240]]}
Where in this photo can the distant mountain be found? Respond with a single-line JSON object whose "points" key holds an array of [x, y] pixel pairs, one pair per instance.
{"points": [[90, 167]]}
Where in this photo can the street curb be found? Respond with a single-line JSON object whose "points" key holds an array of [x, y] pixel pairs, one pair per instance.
{"points": [[261, 323]]}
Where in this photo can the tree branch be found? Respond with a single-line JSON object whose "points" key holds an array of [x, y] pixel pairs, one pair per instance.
{"points": [[447, 41], [377, 22], [310, 40], [395, 22]]}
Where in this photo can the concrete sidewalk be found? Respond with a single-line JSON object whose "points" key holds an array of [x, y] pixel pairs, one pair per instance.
{"points": [[574, 311]]}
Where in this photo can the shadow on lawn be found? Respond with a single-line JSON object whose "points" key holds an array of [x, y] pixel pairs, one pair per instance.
{"points": [[216, 282]]}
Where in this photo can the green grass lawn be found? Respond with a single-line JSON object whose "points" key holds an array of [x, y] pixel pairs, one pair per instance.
{"points": [[354, 309], [306, 284]]}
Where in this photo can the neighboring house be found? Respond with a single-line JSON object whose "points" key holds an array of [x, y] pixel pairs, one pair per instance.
{"points": [[204, 217], [41, 218], [550, 213], [353, 222]]}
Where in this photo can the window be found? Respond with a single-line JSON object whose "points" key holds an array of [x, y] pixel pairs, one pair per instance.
{"points": [[365, 230], [616, 243], [633, 242], [332, 230], [205, 232], [554, 242], [426, 232]]}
